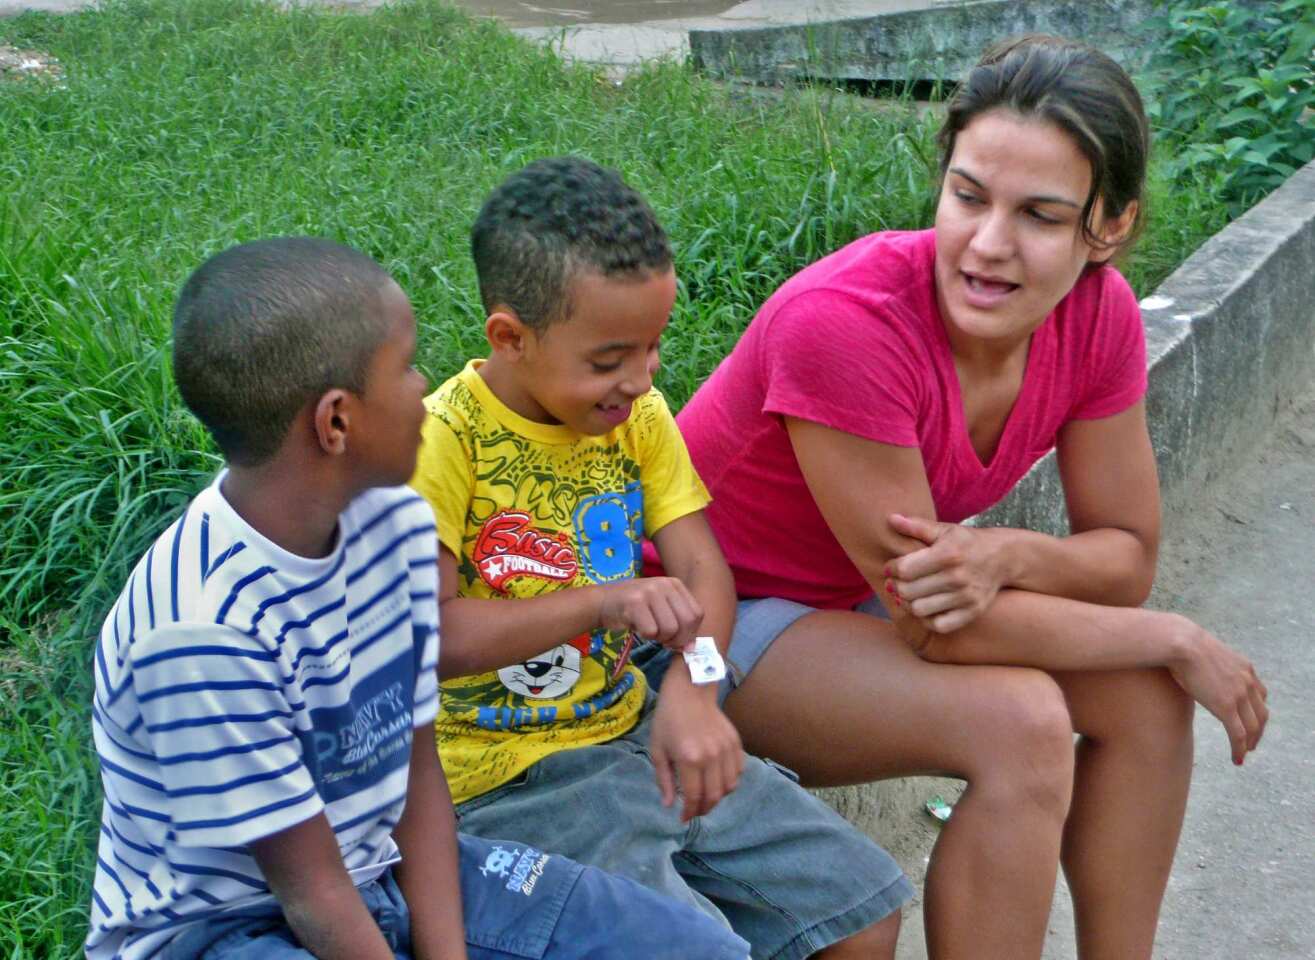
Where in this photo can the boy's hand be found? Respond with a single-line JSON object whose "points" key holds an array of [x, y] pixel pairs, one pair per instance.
{"points": [[661, 609], [429, 874], [696, 750]]}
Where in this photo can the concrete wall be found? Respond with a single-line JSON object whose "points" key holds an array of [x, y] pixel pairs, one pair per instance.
{"points": [[940, 43], [1230, 336]]}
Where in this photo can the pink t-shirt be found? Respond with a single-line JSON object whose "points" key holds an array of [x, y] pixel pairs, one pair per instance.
{"points": [[856, 342]]}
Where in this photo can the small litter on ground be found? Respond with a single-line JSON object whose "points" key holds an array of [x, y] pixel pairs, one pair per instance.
{"points": [[18, 64], [939, 808]]}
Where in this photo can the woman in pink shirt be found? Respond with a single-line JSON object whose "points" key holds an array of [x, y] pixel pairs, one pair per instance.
{"points": [[905, 383]]}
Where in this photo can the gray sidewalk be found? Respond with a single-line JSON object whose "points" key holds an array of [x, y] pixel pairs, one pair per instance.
{"points": [[1242, 563]]}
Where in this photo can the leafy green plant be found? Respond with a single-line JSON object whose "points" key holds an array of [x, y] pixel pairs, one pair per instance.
{"points": [[1231, 90]]}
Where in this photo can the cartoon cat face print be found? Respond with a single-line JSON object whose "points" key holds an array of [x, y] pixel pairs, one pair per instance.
{"points": [[548, 676]]}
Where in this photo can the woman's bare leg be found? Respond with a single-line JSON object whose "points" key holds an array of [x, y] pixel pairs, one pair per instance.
{"points": [[841, 699], [1134, 765]]}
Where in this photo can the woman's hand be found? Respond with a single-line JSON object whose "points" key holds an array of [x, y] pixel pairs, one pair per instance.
{"points": [[1225, 683], [951, 581]]}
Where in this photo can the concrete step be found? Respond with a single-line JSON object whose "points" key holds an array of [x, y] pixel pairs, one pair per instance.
{"points": [[938, 40]]}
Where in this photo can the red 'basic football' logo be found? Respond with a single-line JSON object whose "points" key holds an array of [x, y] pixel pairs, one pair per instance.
{"points": [[509, 547]]}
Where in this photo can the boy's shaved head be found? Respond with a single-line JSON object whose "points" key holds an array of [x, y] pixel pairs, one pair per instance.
{"points": [[551, 220], [264, 328]]}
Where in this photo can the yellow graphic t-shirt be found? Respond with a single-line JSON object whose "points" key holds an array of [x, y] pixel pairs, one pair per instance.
{"points": [[529, 508]]}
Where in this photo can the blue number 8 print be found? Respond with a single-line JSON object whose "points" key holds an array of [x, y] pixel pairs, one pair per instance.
{"points": [[607, 530]]}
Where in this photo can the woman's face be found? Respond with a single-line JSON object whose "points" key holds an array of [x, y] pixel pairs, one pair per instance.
{"points": [[1009, 238]]}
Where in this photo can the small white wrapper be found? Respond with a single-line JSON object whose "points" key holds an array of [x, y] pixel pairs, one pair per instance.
{"points": [[705, 663]]}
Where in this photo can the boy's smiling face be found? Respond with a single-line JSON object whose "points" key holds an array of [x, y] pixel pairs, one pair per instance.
{"points": [[586, 370]]}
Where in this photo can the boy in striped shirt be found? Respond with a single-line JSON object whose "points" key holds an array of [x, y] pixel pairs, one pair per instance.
{"points": [[266, 682]]}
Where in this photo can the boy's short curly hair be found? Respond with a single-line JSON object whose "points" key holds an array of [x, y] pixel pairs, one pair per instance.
{"points": [[264, 328], [552, 219]]}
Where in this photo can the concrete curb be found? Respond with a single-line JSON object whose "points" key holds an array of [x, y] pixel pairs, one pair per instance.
{"points": [[926, 44], [1230, 337]]}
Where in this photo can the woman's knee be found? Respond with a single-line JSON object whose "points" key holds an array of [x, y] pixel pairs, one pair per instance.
{"points": [[1026, 743]]}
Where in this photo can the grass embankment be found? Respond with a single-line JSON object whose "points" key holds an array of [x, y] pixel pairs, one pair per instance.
{"points": [[183, 127]]}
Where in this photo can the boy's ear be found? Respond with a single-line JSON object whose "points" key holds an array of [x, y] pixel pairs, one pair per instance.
{"points": [[506, 334], [332, 417]]}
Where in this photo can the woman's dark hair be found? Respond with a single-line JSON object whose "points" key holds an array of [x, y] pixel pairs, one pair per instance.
{"points": [[1080, 90]]}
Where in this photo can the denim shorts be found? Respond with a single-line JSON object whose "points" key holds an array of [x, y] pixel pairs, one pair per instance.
{"points": [[517, 903], [783, 869], [758, 622]]}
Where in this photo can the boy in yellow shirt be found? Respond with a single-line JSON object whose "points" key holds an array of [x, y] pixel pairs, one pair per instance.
{"points": [[546, 465]]}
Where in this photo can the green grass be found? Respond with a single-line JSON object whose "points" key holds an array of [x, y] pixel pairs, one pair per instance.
{"points": [[184, 126]]}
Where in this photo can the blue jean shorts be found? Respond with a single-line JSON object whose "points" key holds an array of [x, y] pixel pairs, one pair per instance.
{"points": [[517, 903], [784, 870], [758, 622]]}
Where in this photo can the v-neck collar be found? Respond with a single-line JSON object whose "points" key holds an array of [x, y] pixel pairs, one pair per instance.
{"points": [[958, 415]]}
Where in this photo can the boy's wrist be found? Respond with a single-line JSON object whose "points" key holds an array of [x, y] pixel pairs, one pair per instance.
{"points": [[438, 944], [681, 686], [704, 660], [336, 925]]}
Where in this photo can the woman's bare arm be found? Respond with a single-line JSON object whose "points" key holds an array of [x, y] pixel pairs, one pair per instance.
{"points": [[857, 484], [1110, 483]]}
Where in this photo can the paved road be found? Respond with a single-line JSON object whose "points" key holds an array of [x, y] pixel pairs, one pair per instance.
{"points": [[622, 33], [1241, 561], [518, 13], [574, 12]]}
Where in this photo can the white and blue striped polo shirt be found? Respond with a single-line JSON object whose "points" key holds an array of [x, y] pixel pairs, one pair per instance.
{"points": [[241, 690]]}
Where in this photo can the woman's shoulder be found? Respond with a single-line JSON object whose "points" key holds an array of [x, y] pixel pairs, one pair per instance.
{"points": [[878, 261], [1100, 310], [868, 276], [1101, 342]]}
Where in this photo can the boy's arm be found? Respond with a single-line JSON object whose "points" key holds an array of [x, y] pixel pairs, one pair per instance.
{"points": [[303, 867], [693, 742], [428, 874], [482, 635]]}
